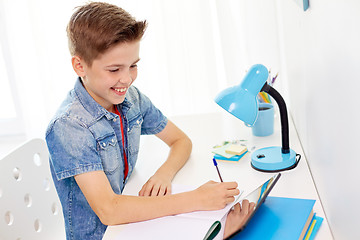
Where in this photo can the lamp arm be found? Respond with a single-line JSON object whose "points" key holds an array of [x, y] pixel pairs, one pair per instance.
{"points": [[283, 116]]}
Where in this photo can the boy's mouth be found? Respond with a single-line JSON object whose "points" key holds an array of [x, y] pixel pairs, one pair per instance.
{"points": [[120, 90]]}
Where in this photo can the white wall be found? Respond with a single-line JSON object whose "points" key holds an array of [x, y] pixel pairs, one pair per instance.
{"points": [[317, 55], [321, 55], [249, 35]]}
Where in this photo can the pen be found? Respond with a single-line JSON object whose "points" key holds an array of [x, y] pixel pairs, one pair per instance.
{"points": [[263, 98], [273, 80], [217, 169], [269, 77]]}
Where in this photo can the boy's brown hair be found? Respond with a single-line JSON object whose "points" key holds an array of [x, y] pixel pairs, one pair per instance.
{"points": [[97, 26]]}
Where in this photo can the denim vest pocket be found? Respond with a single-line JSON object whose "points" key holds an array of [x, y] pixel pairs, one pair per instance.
{"points": [[109, 153], [134, 132]]}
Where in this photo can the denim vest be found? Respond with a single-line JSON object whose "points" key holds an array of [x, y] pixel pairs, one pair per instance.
{"points": [[83, 137]]}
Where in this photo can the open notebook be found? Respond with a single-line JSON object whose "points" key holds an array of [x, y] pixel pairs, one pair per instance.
{"points": [[194, 225]]}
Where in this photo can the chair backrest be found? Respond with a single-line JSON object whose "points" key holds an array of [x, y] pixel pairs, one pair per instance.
{"points": [[29, 205]]}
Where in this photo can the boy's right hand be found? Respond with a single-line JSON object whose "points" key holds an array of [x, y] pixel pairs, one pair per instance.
{"points": [[214, 195]]}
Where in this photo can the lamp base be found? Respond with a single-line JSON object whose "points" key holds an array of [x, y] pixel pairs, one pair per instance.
{"points": [[271, 159]]}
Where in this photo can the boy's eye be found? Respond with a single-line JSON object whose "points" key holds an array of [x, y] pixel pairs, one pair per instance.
{"points": [[133, 66], [113, 70]]}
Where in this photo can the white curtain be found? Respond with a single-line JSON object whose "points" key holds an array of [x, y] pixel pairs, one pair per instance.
{"points": [[192, 49]]}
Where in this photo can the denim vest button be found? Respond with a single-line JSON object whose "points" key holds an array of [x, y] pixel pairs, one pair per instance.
{"points": [[114, 119]]}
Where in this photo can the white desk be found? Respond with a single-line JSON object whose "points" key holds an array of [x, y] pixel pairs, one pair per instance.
{"points": [[207, 130]]}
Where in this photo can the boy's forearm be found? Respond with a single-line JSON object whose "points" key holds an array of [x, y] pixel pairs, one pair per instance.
{"points": [[127, 209], [209, 196], [179, 154], [115, 209], [112, 208]]}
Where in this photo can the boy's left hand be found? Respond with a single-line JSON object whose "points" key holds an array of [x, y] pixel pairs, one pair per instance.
{"points": [[238, 216], [157, 185]]}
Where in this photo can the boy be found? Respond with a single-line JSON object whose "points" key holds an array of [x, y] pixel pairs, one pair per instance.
{"points": [[93, 140]]}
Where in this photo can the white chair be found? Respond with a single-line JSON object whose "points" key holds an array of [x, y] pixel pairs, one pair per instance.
{"points": [[29, 205]]}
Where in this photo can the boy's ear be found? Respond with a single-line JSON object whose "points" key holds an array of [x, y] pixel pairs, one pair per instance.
{"points": [[78, 66]]}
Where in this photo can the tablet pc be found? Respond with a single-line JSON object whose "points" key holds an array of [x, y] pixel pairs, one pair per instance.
{"points": [[258, 196]]}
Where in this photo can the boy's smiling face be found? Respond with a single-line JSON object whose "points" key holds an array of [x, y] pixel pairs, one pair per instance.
{"points": [[111, 74]]}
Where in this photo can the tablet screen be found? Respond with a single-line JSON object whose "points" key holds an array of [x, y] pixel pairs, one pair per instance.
{"points": [[258, 196]]}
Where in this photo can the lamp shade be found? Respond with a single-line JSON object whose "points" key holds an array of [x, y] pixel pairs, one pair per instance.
{"points": [[241, 100]]}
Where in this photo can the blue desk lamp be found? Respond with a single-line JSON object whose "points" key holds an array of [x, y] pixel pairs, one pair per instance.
{"points": [[241, 101]]}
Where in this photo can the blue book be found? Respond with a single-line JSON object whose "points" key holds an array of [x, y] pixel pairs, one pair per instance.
{"points": [[233, 158], [313, 228], [280, 218]]}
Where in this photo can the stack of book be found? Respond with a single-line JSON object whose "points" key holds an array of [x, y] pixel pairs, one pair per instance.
{"points": [[229, 152], [283, 218]]}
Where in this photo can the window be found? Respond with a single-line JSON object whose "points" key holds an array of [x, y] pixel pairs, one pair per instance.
{"points": [[6, 103], [10, 114]]}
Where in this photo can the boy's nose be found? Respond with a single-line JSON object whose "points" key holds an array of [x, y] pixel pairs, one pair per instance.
{"points": [[126, 78]]}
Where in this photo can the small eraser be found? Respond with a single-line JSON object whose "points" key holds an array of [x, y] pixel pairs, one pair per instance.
{"points": [[236, 149]]}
